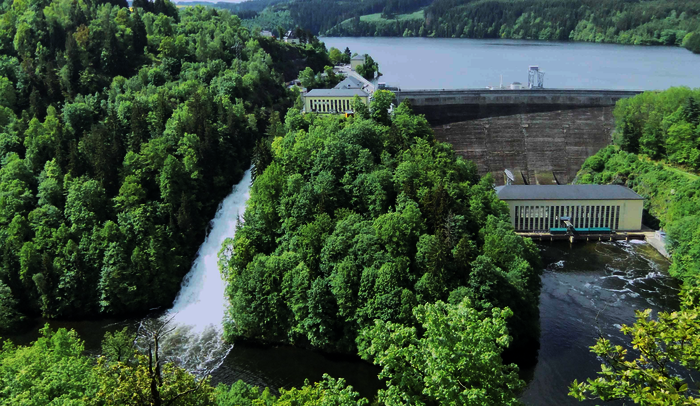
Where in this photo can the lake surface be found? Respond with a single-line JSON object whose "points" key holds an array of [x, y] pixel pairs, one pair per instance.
{"points": [[451, 63]]}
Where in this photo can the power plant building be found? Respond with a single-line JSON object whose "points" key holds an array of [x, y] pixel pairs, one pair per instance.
{"points": [[333, 101], [539, 208]]}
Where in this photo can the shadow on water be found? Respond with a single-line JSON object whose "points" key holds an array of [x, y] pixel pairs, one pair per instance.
{"points": [[590, 289], [284, 367], [90, 331]]}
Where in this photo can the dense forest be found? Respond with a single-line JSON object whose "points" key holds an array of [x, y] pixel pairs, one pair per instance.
{"points": [[120, 132], [657, 153], [318, 16], [655, 22], [358, 221]]}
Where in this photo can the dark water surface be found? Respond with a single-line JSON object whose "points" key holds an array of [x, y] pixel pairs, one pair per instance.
{"points": [[587, 289], [452, 63], [590, 289]]}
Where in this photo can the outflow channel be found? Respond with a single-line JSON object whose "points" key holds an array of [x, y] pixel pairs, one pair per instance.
{"points": [[589, 290], [198, 311]]}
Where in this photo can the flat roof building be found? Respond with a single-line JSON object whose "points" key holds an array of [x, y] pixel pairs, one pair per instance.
{"points": [[333, 101], [541, 207]]}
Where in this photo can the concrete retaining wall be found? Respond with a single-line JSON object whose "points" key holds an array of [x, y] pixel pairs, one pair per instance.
{"points": [[542, 136]]}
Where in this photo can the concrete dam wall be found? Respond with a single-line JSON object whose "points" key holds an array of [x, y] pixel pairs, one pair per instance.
{"points": [[541, 136]]}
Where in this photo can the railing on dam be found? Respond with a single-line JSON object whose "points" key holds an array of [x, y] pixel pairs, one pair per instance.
{"points": [[579, 97]]}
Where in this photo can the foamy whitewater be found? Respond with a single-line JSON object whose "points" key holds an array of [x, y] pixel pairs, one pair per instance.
{"points": [[198, 310]]}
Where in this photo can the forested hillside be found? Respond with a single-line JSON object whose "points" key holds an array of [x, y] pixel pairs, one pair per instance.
{"points": [[654, 22], [355, 222], [120, 132], [657, 153], [318, 16]]}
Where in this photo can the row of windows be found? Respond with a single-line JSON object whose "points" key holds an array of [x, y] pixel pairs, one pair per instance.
{"points": [[542, 218], [329, 105]]}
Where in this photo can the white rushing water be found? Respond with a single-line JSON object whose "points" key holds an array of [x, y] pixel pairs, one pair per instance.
{"points": [[197, 315], [201, 301]]}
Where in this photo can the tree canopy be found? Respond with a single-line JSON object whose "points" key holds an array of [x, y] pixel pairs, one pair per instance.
{"points": [[638, 22], [453, 360], [655, 154], [121, 130], [357, 220], [664, 353]]}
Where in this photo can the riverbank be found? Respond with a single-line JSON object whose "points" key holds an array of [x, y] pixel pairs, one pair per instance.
{"points": [[671, 201]]}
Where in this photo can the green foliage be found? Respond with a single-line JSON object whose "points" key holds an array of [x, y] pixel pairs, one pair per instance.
{"points": [[322, 80], [692, 42], [336, 56], [454, 358], [664, 127], [55, 371], [120, 132], [650, 374], [9, 316], [360, 108], [328, 392], [357, 220], [119, 347], [368, 69], [242, 394], [120, 384], [379, 107], [52, 370]]}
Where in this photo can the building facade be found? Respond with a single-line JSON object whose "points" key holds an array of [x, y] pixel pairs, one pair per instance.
{"points": [[333, 101], [356, 61], [538, 208]]}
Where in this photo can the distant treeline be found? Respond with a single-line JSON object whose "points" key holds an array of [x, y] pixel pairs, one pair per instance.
{"points": [[656, 22], [318, 16]]}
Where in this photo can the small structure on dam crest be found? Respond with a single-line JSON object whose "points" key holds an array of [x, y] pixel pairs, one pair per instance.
{"points": [[562, 209]]}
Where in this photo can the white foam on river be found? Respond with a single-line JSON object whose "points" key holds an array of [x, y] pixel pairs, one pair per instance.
{"points": [[195, 341]]}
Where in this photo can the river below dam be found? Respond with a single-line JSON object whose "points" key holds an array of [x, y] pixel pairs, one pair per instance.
{"points": [[454, 63], [587, 289]]}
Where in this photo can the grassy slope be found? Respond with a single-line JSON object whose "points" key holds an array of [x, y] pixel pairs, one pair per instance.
{"points": [[377, 17], [672, 199]]}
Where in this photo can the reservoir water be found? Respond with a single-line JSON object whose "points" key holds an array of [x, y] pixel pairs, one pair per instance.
{"points": [[453, 63]]}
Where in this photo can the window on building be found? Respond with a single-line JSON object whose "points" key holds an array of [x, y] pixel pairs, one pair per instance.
{"points": [[597, 217]]}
